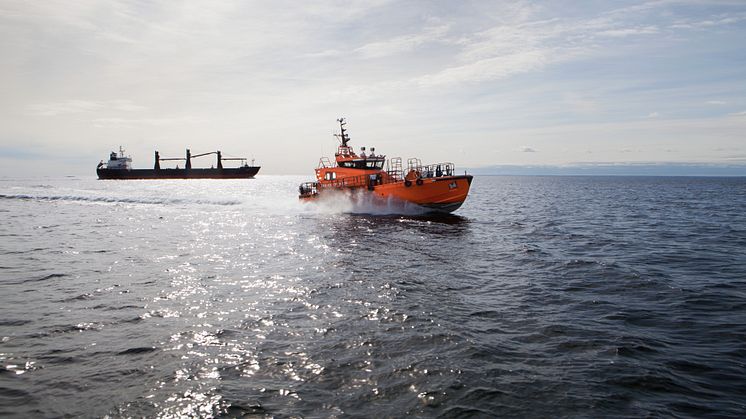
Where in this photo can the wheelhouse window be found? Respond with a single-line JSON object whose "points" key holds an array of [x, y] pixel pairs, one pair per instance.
{"points": [[362, 164]]}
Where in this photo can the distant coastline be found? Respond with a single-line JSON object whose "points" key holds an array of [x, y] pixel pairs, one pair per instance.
{"points": [[611, 169]]}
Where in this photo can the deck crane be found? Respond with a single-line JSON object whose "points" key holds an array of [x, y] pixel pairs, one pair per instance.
{"points": [[189, 158]]}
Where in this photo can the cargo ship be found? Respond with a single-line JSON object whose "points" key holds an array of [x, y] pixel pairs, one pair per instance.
{"points": [[436, 187], [119, 166]]}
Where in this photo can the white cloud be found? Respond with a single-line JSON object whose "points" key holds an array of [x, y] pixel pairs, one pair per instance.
{"points": [[74, 106], [708, 23], [488, 69], [530, 44], [401, 44], [138, 122], [327, 53], [620, 33]]}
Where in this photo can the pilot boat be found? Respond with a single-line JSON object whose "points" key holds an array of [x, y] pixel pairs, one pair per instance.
{"points": [[435, 187]]}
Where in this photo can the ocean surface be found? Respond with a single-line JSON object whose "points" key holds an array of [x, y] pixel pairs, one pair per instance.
{"points": [[540, 297]]}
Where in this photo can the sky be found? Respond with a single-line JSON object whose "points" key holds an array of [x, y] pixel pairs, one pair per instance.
{"points": [[477, 83]]}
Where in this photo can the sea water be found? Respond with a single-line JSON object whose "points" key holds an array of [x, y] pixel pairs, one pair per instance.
{"points": [[540, 297]]}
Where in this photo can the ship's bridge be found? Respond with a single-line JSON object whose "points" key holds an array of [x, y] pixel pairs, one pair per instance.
{"points": [[346, 157], [120, 161]]}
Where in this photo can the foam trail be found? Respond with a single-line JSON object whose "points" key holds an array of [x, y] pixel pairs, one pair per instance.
{"points": [[113, 200], [362, 202]]}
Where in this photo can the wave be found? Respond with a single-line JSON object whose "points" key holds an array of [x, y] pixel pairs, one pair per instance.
{"points": [[137, 350], [119, 200], [359, 202], [34, 279]]}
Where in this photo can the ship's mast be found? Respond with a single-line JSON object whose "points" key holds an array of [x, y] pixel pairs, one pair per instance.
{"points": [[343, 136]]}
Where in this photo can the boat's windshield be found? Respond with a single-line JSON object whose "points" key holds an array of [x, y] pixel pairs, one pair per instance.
{"points": [[362, 164]]}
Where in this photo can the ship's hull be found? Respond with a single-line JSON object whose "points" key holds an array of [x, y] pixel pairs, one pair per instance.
{"points": [[440, 194], [246, 172]]}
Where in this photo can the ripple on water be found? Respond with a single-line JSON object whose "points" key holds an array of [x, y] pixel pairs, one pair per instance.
{"points": [[540, 297]]}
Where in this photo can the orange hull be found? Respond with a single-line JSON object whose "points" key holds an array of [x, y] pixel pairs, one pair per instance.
{"points": [[443, 194]]}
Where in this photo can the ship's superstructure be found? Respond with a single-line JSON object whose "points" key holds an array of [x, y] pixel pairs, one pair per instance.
{"points": [[118, 162]]}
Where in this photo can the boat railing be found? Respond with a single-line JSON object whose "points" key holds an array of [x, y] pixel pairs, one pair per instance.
{"points": [[419, 171], [437, 170], [370, 180], [394, 168], [324, 162], [373, 179], [358, 181], [414, 164]]}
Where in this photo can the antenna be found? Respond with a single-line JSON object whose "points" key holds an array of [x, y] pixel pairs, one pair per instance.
{"points": [[343, 132]]}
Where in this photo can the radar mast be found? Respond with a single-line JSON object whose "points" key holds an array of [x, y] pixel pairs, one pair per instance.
{"points": [[343, 136]]}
